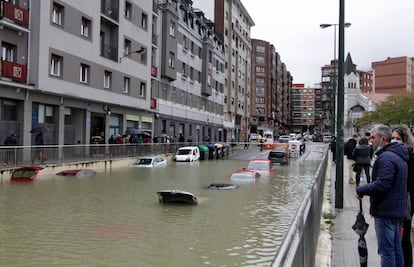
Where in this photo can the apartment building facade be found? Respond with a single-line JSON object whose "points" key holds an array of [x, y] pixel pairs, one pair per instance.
{"points": [[189, 90], [303, 110], [394, 75], [234, 23]]}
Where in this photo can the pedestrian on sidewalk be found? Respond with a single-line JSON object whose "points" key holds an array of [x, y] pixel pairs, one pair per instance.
{"points": [[333, 149], [388, 194], [402, 133], [362, 155], [348, 150]]}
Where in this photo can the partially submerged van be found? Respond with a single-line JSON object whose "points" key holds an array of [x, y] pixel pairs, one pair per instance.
{"points": [[187, 153]]}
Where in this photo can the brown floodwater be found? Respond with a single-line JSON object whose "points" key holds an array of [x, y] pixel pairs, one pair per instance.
{"points": [[115, 219]]}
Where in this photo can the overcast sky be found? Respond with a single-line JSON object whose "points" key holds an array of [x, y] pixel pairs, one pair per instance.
{"points": [[380, 29]]}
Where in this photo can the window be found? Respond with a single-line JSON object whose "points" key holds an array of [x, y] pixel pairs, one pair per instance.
{"points": [[127, 47], [260, 59], [57, 14], [56, 63], [127, 82], [128, 10], [171, 60], [172, 29], [107, 79], [260, 69], [9, 110], [8, 52], [260, 90], [144, 21], [260, 100], [142, 88], [260, 80], [85, 27], [84, 73], [45, 114], [184, 69], [260, 48]]}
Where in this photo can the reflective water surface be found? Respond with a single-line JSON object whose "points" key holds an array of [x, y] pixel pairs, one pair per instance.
{"points": [[114, 219]]}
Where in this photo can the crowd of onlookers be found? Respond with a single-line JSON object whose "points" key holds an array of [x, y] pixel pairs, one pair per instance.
{"points": [[386, 155]]}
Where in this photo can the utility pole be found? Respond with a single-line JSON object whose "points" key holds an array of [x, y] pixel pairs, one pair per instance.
{"points": [[339, 183]]}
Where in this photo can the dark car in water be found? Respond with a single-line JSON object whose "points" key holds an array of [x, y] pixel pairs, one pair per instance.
{"points": [[279, 156]]}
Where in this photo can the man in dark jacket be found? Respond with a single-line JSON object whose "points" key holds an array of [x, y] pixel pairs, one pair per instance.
{"points": [[388, 194], [362, 155], [348, 150], [11, 140]]}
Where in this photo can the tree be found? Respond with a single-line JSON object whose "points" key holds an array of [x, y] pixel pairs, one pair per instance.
{"points": [[398, 108]]}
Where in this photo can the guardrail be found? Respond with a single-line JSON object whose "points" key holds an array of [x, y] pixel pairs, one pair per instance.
{"points": [[300, 243], [52, 154]]}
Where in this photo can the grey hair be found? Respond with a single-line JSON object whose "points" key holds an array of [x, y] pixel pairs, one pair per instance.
{"points": [[383, 130], [405, 133]]}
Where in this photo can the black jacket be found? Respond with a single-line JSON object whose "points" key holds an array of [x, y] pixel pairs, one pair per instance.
{"points": [[362, 153], [349, 148]]}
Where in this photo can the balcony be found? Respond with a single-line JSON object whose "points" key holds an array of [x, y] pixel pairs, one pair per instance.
{"points": [[13, 71], [110, 52], [109, 9], [14, 13]]}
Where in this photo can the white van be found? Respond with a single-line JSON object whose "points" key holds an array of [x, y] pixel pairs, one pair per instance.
{"points": [[187, 153]]}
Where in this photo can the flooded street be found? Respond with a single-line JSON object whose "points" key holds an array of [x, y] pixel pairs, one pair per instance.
{"points": [[115, 219]]}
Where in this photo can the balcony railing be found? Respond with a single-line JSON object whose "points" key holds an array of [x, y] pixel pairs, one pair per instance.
{"points": [[15, 72], [109, 52], [15, 13]]}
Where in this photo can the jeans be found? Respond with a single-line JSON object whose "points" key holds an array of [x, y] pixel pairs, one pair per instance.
{"points": [[389, 242]]}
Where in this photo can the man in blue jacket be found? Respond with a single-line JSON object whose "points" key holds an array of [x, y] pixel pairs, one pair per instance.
{"points": [[388, 194]]}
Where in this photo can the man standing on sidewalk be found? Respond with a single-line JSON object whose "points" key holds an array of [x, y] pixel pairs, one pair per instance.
{"points": [[348, 151], [388, 194]]}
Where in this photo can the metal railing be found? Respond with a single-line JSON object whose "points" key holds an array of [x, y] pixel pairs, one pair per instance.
{"points": [[300, 243], [53, 154]]}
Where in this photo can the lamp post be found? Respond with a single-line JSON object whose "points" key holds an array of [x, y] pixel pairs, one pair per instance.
{"points": [[324, 26]]}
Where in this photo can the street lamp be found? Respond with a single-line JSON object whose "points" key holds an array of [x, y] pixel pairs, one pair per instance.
{"points": [[324, 26], [142, 49]]}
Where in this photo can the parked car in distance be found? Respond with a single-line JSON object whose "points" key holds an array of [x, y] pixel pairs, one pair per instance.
{"points": [[279, 156], [187, 153], [244, 176], [150, 162], [283, 139], [262, 166]]}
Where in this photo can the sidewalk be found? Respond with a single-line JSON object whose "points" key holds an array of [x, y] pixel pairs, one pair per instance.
{"points": [[344, 239]]}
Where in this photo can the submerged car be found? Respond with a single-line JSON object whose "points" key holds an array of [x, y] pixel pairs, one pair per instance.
{"points": [[150, 162], [77, 173], [279, 156], [260, 165], [25, 174]]}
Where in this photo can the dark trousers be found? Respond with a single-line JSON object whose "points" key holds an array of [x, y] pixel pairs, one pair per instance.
{"points": [[359, 168], [406, 243]]}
